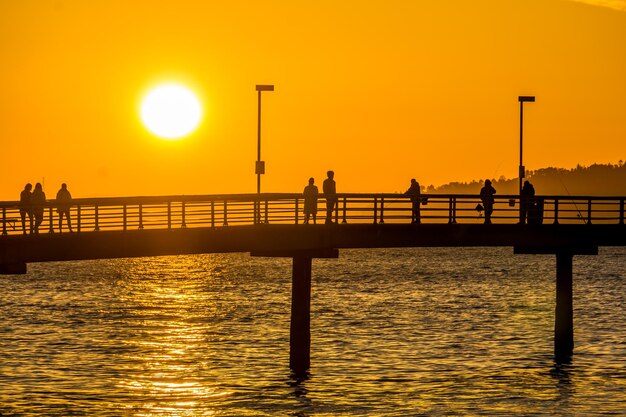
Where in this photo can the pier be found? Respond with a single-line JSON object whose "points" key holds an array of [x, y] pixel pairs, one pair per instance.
{"points": [[272, 225]]}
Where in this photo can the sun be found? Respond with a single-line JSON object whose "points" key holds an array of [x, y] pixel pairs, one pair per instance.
{"points": [[171, 111]]}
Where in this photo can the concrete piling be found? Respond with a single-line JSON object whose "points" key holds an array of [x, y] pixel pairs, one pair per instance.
{"points": [[564, 312], [300, 329]]}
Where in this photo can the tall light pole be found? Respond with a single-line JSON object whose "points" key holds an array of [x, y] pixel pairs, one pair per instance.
{"points": [[522, 170], [260, 165]]}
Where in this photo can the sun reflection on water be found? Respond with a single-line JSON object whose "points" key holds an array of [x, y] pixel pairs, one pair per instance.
{"points": [[166, 350]]}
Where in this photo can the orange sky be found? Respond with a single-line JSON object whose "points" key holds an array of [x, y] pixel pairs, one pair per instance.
{"points": [[379, 91]]}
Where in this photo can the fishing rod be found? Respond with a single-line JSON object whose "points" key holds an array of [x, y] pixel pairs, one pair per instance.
{"points": [[580, 215]]}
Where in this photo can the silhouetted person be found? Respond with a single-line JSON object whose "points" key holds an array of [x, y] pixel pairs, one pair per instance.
{"points": [[26, 207], [486, 195], [527, 201], [64, 202], [414, 193], [330, 193], [38, 200], [310, 201]]}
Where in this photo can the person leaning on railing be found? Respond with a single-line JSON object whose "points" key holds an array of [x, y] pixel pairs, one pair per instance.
{"points": [[486, 195], [26, 208], [414, 193], [38, 200], [310, 201], [526, 203], [330, 193], [64, 202]]}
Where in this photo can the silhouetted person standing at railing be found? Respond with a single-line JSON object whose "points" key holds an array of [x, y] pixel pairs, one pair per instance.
{"points": [[526, 203], [64, 202], [310, 201], [26, 207], [330, 193], [38, 200], [414, 192], [486, 195]]}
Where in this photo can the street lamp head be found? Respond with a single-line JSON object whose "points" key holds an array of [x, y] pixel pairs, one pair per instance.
{"points": [[526, 98], [264, 87]]}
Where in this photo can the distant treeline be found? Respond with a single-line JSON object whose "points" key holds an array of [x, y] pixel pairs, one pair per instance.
{"points": [[594, 180]]}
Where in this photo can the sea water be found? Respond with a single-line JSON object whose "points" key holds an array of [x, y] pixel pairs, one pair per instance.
{"points": [[395, 332]]}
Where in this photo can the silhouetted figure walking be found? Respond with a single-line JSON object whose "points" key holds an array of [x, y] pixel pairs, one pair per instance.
{"points": [[414, 192], [310, 201], [330, 193], [38, 200], [26, 207], [527, 202], [486, 195], [64, 202]]}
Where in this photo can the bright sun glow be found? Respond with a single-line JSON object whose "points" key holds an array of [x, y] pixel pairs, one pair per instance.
{"points": [[171, 111]]}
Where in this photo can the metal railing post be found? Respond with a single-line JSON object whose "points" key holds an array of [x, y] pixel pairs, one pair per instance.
{"points": [[169, 215], [140, 216], [556, 211], [297, 209], [266, 212], [375, 210], [621, 211], [450, 210], [124, 218], [212, 213], [96, 218], [51, 219], [4, 221], [344, 211], [182, 214], [226, 212], [382, 210], [454, 210], [255, 216], [336, 211], [78, 218], [589, 211]]}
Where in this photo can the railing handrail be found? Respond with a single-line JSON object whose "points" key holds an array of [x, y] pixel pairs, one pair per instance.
{"points": [[118, 201], [236, 209]]}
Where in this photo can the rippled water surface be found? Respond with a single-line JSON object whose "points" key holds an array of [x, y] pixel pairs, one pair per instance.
{"points": [[395, 332]]}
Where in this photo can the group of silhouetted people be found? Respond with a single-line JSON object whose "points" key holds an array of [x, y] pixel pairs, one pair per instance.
{"points": [[32, 205], [528, 206], [33, 201], [329, 188]]}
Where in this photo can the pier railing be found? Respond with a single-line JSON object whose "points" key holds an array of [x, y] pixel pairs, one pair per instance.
{"points": [[170, 212]]}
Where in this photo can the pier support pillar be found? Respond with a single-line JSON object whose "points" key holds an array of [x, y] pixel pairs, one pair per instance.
{"points": [[564, 312], [300, 326], [300, 330]]}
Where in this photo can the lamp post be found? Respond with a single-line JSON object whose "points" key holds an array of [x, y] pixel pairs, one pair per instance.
{"points": [[522, 170], [260, 165]]}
